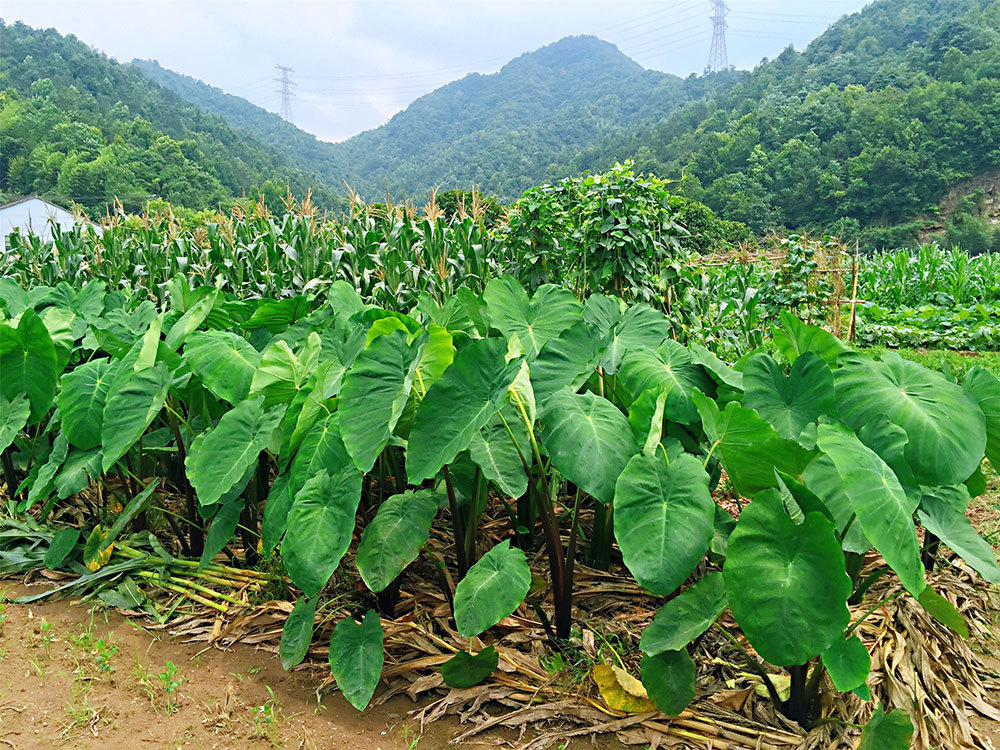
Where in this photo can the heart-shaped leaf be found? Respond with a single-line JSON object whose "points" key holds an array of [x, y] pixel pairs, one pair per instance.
{"points": [[223, 361], [464, 399], [786, 583], [549, 312], [374, 393], [464, 670], [82, 396], [663, 519], [669, 679], [848, 663], [588, 440], [788, 404], [320, 527], [491, 590], [686, 616], [394, 537], [356, 658], [945, 427], [882, 507], [220, 456], [29, 363]]}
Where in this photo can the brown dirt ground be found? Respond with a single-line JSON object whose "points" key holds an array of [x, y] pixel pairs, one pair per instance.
{"points": [[55, 695]]}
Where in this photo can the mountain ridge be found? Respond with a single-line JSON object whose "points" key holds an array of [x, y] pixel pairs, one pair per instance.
{"points": [[538, 109]]}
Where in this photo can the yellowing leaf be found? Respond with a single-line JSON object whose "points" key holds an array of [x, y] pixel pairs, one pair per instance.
{"points": [[619, 690], [95, 554]]}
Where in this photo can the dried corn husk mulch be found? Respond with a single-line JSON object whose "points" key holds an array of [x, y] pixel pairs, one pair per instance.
{"points": [[917, 663]]}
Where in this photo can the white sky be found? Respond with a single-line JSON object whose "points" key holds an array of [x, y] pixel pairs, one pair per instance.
{"points": [[358, 62]]}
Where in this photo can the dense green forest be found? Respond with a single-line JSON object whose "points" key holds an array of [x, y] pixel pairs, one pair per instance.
{"points": [[76, 125], [504, 132], [863, 133], [866, 128]]}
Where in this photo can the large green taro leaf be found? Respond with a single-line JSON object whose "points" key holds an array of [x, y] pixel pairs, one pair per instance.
{"points": [[718, 370], [887, 731], [848, 663], [669, 679], [464, 670], [374, 393], [436, 356], [794, 338], [28, 363], [946, 429], [670, 369], [320, 526], [549, 312], [663, 519], [13, 417], [356, 658], [322, 449], [223, 361], [491, 590], [133, 401], [788, 403], [588, 440], [82, 395], [394, 537], [567, 360], [296, 635], [748, 447], [494, 451], [604, 311], [952, 527], [281, 373], [641, 327], [463, 399], [220, 456], [822, 479], [786, 583], [984, 387], [686, 616], [882, 507]]}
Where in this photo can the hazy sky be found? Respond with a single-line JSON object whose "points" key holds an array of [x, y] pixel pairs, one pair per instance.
{"points": [[359, 62]]}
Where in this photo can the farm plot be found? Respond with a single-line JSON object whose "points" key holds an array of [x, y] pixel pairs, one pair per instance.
{"points": [[458, 479]]}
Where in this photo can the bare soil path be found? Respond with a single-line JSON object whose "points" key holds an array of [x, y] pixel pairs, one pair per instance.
{"points": [[77, 676]]}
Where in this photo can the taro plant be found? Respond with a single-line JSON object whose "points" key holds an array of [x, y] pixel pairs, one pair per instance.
{"points": [[302, 426], [841, 455]]}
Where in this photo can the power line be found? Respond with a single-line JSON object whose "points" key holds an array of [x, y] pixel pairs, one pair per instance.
{"points": [[286, 92], [717, 56]]}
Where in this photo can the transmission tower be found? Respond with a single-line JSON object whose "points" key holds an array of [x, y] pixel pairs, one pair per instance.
{"points": [[717, 58], [286, 92]]}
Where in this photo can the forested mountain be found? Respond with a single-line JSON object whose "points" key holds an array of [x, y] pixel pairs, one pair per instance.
{"points": [[504, 132], [76, 125], [868, 126]]}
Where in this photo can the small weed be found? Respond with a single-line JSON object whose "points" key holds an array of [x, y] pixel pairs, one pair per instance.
{"points": [[405, 734], [267, 719], [38, 668], [170, 680], [105, 652], [43, 636], [167, 683]]}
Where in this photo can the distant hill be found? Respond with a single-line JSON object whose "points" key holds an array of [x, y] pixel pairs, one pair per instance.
{"points": [[504, 132], [867, 127], [76, 125]]}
